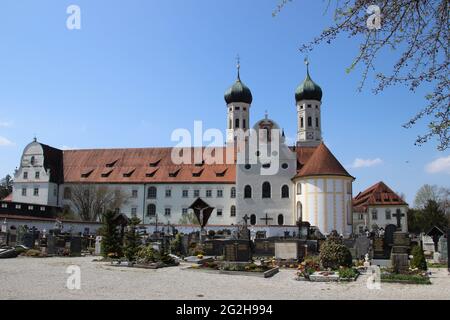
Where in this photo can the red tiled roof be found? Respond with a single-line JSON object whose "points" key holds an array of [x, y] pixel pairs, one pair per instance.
{"points": [[145, 165], [378, 194], [321, 162], [8, 198]]}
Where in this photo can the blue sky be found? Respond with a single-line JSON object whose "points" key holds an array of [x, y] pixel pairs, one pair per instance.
{"points": [[137, 70]]}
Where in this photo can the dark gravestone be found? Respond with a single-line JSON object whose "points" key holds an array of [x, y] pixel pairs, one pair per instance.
{"points": [[237, 251], [264, 248], [313, 246], [362, 246], [213, 247], [389, 235], [379, 249], [75, 247], [51, 244], [28, 240], [399, 255]]}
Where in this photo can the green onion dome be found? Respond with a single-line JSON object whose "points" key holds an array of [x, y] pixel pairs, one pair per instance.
{"points": [[238, 92], [308, 90]]}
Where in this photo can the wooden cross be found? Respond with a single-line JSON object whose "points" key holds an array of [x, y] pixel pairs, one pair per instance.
{"points": [[267, 219], [399, 216]]}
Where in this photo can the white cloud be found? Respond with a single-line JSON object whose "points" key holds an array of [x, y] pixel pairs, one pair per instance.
{"points": [[5, 142], [366, 163], [5, 124], [440, 165]]}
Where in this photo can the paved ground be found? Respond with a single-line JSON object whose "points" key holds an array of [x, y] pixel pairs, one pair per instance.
{"points": [[30, 278]]}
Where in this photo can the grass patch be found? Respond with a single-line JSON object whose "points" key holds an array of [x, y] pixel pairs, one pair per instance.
{"points": [[438, 265], [405, 278]]}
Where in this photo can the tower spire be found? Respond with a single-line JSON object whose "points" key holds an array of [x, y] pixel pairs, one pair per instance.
{"points": [[238, 67], [307, 65]]}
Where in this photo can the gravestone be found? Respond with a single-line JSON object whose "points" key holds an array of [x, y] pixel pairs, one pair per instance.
{"points": [[380, 251], [213, 247], [313, 246], [51, 244], [28, 240], [443, 249], [237, 251], [75, 247], [289, 249], [98, 245], [389, 235], [362, 246], [264, 248], [399, 255], [428, 244], [12, 237]]}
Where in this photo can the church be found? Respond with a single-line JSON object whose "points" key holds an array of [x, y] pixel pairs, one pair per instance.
{"points": [[309, 183]]}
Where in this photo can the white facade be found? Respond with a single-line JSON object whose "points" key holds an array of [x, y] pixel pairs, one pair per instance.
{"points": [[380, 216], [309, 123], [325, 202]]}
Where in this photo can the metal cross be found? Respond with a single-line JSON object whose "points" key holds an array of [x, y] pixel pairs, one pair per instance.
{"points": [[399, 216], [267, 219]]}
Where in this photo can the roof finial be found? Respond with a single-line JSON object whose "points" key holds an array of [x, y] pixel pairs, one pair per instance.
{"points": [[238, 66], [266, 115], [307, 65], [35, 138]]}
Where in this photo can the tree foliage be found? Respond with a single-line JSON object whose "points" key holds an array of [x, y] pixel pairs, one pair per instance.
{"points": [[334, 254], [111, 242], [132, 241], [418, 261], [422, 220], [6, 186], [90, 201], [417, 31]]}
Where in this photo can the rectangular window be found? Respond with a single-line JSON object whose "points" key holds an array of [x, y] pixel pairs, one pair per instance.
{"points": [[25, 175], [301, 122], [219, 212], [36, 192], [208, 193], [388, 214], [184, 211], [196, 193], [37, 175], [317, 122], [30, 208], [18, 206], [219, 193], [42, 208], [167, 211], [361, 217], [185, 193], [309, 106], [168, 193], [134, 194], [134, 212], [374, 215], [4, 205], [309, 122], [24, 192]]}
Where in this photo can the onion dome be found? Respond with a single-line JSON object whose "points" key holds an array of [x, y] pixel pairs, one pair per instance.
{"points": [[308, 90], [238, 92]]}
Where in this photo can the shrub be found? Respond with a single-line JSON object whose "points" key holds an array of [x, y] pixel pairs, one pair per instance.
{"points": [[334, 254], [147, 254], [176, 246], [132, 240], [347, 273], [111, 242], [418, 261]]}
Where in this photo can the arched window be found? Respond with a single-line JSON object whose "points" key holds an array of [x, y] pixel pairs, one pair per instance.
{"points": [[299, 188], [67, 193], [299, 211], [151, 210], [236, 123], [301, 122], [244, 123], [309, 122], [253, 219], [231, 125], [247, 192], [233, 193], [33, 160], [285, 192], [317, 122], [152, 193], [266, 190], [233, 211], [280, 220]]}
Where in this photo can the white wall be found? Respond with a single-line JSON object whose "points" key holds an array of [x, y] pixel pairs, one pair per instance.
{"points": [[326, 203], [381, 220]]}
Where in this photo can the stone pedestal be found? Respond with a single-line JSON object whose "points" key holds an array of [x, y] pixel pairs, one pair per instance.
{"points": [[399, 255]]}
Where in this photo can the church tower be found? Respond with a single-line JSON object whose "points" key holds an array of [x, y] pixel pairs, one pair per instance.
{"points": [[308, 97], [239, 99]]}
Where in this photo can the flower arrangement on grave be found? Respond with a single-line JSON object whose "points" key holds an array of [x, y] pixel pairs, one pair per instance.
{"points": [[347, 273], [308, 267]]}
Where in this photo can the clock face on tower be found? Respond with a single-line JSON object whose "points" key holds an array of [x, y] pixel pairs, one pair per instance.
{"points": [[310, 135]]}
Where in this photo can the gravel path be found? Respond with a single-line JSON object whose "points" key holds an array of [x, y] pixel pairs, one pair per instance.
{"points": [[31, 278]]}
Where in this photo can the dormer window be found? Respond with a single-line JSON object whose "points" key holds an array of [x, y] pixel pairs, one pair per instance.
{"points": [[174, 174], [111, 164], [197, 173], [155, 163], [107, 174], [129, 173], [221, 174], [151, 174], [87, 173]]}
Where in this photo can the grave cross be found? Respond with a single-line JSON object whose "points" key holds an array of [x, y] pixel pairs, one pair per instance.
{"points": [[399, 216], [246, 218], [267, 219]]}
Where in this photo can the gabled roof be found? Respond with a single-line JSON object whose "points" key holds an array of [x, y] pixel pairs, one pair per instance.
{"points": [[142, 165], [378, 194], [8, 198], [321, 162]]}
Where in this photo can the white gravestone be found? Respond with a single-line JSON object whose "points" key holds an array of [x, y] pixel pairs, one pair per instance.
{"points": [[98, 246], [428, 243], [286, 250], [442, 246]]}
